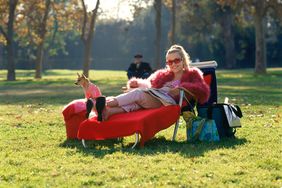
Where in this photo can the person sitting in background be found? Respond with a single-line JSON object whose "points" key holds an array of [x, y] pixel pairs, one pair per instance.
{"points": [[139, 69]]}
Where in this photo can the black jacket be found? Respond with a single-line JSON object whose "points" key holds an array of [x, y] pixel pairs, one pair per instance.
{"points": [[143, 68]]}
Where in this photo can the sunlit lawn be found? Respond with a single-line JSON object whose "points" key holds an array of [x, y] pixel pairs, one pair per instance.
{"points": [[34, 151]]}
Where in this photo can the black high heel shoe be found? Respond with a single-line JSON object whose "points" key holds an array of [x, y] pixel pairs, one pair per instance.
{"points": [[89, 106], [100, 106]]}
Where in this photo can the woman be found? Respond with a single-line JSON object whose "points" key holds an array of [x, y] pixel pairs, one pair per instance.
{"points": [[161, 88]]}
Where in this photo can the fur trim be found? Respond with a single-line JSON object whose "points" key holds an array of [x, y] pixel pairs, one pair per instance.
{"points": [[160, 77], [142, 83], [192, 80]]}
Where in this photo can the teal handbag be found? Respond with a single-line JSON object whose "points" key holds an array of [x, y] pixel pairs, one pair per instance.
{"points": [[198, 128], [201, 129]]}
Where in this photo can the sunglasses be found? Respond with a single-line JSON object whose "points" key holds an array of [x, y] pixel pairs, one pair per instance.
{"points": [[175, 61]]}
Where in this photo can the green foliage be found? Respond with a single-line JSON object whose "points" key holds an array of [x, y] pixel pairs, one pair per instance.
{"points": [[35, 152]]}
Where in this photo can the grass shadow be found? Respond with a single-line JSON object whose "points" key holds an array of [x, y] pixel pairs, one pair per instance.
{"points": [[188, 149], [155, 146], [48, 92], [98, 148]]}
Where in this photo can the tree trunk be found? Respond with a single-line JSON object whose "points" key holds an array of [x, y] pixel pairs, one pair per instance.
{"points": [[40, 49], [38, 61], [46, 56], [1, 56], [87, 37], [11, 76], [172, 28], [87, 58], [260, 65], [228, 38], [158, 9]]}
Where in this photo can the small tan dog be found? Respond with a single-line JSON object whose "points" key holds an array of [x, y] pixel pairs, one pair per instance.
{"points": [[90, 90]]}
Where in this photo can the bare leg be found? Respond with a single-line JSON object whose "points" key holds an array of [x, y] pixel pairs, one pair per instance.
{"points": [[112, 102], [149, 101], [112, 111], [133, 96], [131, 101]]}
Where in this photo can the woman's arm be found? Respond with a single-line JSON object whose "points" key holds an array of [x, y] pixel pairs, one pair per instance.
{"points": [[138, 83], [156, 80]]}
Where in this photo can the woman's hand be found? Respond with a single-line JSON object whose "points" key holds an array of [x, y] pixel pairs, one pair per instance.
{"points": [[174, 92], [133, 84]]}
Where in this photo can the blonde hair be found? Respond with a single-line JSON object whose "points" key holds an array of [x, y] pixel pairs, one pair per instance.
{"points": [[181, 51]]}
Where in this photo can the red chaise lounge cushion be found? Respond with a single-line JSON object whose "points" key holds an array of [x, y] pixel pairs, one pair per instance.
{"points": [[145, 122]]}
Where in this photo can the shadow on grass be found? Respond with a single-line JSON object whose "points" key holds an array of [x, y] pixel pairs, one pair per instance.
{"points": [[47, 92], [155, 146], [255, 96]]}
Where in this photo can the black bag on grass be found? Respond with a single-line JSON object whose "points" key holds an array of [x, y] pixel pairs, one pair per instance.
{"points": [[226, 116]]}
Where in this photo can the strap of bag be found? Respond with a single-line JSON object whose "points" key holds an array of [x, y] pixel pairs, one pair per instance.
{"points": [[199, 129], [190, 121], [192, 95], [209, 111], [188, 92], [236, 109]]}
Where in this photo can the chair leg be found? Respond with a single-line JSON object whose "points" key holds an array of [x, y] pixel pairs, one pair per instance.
{"points": [[83, 143], [177, 122], [175, 130], [136, 140]]}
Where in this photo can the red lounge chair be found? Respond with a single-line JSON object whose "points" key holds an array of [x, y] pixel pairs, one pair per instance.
{"points": [[74, 113], [144, 122]]}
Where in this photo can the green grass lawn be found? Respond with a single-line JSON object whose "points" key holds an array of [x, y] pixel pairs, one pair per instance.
{"points": [[34, 151]]}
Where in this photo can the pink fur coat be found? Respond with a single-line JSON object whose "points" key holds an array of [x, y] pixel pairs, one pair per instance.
{"points": [[192, 80]]}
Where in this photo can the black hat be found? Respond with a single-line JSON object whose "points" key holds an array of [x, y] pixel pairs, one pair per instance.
{"points": [[138, 56]]}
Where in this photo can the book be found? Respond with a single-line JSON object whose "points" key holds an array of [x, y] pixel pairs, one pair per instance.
{"points": [[161, 94]]}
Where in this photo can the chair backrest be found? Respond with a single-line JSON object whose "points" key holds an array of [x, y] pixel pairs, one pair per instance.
{"points": [[208, 69], [210, 78]]}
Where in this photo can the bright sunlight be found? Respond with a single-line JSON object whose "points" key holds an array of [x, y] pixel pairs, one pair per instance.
{"points": [[112, 9]]}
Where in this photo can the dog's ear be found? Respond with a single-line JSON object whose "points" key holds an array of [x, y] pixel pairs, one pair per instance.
{"points": [[84, 76], [78, 74]]}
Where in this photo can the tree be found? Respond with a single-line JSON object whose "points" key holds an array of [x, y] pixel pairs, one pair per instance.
{"points": [[227, 24], [258, 9], [198, 27], [42, 22], [41, 31], [158, 9], [87, 33], [260, 24], [171, 4], [9, 35], [208, 27]]}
